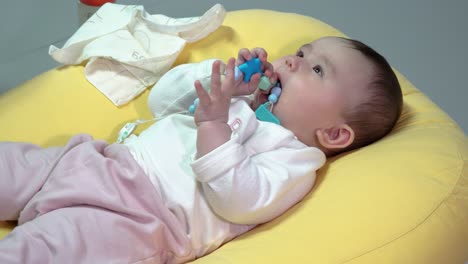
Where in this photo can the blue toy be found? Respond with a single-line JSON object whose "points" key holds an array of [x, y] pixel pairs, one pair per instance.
{"points": [[264, 111], [250, 68]]}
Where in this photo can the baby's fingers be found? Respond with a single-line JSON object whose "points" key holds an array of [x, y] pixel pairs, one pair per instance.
{"points": [[228, 85], [260, 53], [243, 56], [270, 72], [230, 69], [203, 95], [216, 78]]}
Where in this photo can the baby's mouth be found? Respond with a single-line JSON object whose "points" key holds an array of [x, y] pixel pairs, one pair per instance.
{"points": [[277, 86], [263, 97], [264, 105], [278, 82]]}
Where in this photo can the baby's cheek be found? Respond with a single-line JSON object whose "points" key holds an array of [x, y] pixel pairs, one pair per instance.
{"points": [[330, 104]]}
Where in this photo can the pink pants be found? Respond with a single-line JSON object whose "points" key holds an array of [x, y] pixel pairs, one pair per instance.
{"points": [[87, 202]]}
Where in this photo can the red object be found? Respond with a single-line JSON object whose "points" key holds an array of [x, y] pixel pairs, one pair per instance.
{"points": [[96, 2]]}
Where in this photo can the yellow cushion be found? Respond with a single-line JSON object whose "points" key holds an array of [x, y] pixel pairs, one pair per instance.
{"points": [[401, 200]]}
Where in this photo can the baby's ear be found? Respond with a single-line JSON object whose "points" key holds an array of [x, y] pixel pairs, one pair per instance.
{"points": [[337, 137]]}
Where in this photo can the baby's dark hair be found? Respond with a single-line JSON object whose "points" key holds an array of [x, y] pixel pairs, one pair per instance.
{"points": [[377, 114]]}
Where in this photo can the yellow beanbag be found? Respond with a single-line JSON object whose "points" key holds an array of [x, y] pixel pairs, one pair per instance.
{"points": [[403, 199]]}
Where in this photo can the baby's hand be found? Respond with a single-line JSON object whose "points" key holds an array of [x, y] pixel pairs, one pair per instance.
{"points": [[214, 106], [250, 87]]}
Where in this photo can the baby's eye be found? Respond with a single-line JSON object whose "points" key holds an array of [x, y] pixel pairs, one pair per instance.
{"points": [[300, 54], [317, 69]]}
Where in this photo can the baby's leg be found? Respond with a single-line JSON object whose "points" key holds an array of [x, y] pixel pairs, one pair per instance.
{"points": [[23, 170], [86, 234], [97, 206]]}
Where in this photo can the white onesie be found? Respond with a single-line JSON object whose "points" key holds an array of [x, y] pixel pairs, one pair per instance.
{"points": [[254, 177]]}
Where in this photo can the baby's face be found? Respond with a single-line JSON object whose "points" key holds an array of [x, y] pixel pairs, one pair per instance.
{"points": [[319, 82]]}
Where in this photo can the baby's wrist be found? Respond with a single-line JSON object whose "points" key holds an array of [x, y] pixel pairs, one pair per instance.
{"points": [[210, 135]]}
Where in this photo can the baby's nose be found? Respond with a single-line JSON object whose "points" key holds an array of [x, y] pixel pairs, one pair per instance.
{"points": [[292, 63]]}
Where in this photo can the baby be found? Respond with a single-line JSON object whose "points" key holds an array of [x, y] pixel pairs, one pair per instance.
{"points": [[190, 183]]}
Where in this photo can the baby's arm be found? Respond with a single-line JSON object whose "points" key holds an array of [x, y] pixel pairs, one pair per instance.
{"points": [[212, 113], [252, 189], [241, 188]]}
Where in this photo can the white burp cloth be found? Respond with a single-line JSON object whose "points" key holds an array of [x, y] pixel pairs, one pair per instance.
{"points": [[129, 49]]}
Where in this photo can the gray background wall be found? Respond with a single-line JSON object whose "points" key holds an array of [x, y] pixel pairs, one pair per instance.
{"points": [[426, 40]]}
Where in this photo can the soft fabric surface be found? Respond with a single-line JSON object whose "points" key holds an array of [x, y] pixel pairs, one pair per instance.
{"points": [[401, 200]]}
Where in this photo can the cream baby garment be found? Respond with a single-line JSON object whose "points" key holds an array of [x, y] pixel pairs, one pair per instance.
{"points": [[129, 49]]}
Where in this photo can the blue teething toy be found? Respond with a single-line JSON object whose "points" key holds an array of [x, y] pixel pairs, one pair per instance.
{"points": [[248, 69], [264, 111]]}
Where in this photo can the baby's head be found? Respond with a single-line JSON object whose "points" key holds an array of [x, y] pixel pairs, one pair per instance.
{"points": [[338, 94]]}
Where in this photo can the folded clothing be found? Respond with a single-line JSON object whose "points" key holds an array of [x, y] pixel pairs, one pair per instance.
{"points": [[129, 49]]}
